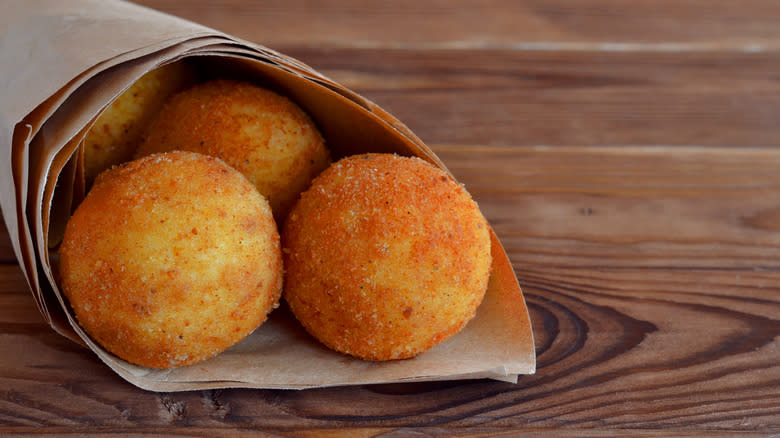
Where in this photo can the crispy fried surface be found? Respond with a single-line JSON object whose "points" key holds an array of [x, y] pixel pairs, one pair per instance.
{"points": [[117, 132], [385, 257], [265, 136], [171, 259]]}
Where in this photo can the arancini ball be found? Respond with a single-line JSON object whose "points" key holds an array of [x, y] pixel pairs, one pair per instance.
{"points": [[171, 259], [385, 257], [117, 132], [262, 134]]}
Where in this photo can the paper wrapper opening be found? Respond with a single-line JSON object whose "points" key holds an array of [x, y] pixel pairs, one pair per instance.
{"points": [[63, 63]]}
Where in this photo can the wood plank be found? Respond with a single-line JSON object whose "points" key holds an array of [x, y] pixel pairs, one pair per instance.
{"points": [[506, 97], [628, 207], [534, 106], [472, 23], [363, 432], [657, 310]]}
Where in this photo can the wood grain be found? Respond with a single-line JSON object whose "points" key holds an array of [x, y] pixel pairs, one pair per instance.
{"points": [[478, 23], [626, 153], [573, 98], [530, 73]]}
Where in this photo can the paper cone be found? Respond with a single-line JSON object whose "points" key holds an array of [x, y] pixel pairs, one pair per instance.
{"points": [[63, 62]]}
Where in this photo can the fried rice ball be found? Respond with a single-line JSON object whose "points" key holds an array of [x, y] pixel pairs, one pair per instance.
{"points": [[116, 134], [385, 257], [171, 259], [264, 135]]}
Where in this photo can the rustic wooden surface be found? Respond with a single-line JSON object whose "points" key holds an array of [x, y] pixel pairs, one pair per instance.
{"points": [[627, 153]]}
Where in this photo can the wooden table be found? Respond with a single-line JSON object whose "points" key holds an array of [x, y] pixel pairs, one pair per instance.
{"points": [[627, 154]]}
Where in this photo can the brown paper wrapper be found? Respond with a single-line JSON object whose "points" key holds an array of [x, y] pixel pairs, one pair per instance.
{"points": [[63, 62]]}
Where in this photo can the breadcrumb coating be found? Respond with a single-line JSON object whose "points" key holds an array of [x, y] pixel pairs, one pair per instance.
{"points": [[262, 134], [116, 134], [171, 259], [385, 257]]}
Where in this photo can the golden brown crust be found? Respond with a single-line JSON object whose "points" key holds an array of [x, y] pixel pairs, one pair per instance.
{"points": [[116, 134], [265, 136], [385, 257], [171, 259]]}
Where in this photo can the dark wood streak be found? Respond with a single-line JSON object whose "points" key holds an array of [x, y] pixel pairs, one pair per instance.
{"points": [[762, 330], [544, 340]]}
